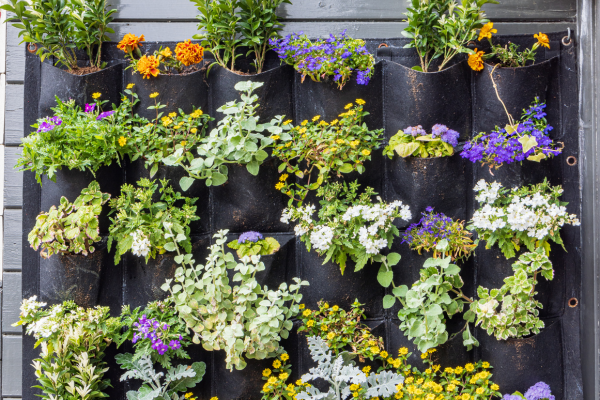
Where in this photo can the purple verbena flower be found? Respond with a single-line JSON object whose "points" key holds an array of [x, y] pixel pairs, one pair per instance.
{"points": [[90, 107], [45, 127], [250, 236], [105, 114]]}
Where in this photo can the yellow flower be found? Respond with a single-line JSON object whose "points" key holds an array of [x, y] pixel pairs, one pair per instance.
{"points": [[276, 364], [390, 361], [410, 379], [430, 396], [183, 143], [283, 376], [301, 306], [423, 356], [214, 398], [130, 86], [366, 369], [194, 130], [333, 149], [285, 357], [288, 144], [130, 42], [289, 121], [458, 370], [375, 350], [304, 123], [420, 381], [431, 351], [355, 394], [360, 102], [154, 95], [197, 113], [316, 118], [330, 335], [272, 380], [428, 371], [283, 177], [366, 152], [188, 395], [450, 387], [323, 123], [480, 390], [473, 380], [148, 65], [172, 115], [167, 121], [279, 185], [267, 372], [122, 141], [275, 137], [326, 305], [303, 130], [402, 351], [485, 364], [397, 363], [324, 328], [483, 374], [542, 39], [299, 382], [436, 368], [354, 387], [465, 396], [334, 122], [469, 367], [340, 141], [166, 53], [475, 61], [310, 323], [449, 370], [487, 30], [354, 143], [495, 387], [189, 53], [384, 354], [306, 313], [96, 95], [348, 106]]}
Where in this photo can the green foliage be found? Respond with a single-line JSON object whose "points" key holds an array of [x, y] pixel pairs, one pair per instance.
{"points": [[327, 149], [239, 138], [73, 340], [509, 55], [349, 226], [70, 228], [422, 146], [244, 320], [139, 222], [59, 27], [441, 29], [177, 379], [519, 311], [263, 247]]}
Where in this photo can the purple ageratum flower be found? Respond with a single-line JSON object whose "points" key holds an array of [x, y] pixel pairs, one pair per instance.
{"points": [[250, 236], [539, 391], [511, 397], [438, 130], [90, 107], [451, 137], [104, 115], [415, 131]]}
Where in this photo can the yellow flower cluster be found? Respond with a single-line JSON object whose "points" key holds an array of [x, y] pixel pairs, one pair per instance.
{"points": [[197, 113], [148, 66], [189, 53], [275, 384]]}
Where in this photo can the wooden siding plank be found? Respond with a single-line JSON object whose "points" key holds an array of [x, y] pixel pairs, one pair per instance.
{"points": [[12, 364], [13, 234], [131, 10], [15, 56], [13, 118], [11, 301], [13, 179]]}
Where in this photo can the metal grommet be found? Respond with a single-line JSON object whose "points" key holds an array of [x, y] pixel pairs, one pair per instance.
{"points": [[572, 160], [567, 39], [573, 302], [382, 45], [32, 47]]}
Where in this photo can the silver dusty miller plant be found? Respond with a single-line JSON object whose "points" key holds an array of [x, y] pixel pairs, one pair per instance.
{"points": [[244, 320], [341, 372]]}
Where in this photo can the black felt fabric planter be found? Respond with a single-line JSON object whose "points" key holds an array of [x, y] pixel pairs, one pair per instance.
{"points": [[58, 82], [186, 92], [73, 277], [516, 174], [416, 98], [517, 87], [428, 182], [275, 96]]}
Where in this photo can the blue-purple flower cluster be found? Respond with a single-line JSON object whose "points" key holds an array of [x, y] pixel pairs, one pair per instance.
{"points": [[539, 391], [500, 146], [433, 226], [447, 135], [49, 123], [250, 236], [156, 332], [90, 108], [105, 114], [335, 56]]}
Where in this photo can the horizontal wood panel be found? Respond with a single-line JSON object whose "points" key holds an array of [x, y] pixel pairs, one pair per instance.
{"points": [[131, 10], [13, 118], [11, 297], [13, 179], [15, 56], [13, 234], [12, 365]]}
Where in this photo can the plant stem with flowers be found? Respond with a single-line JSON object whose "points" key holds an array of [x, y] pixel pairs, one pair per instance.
{"points": [[414, 141], [276, 386]]}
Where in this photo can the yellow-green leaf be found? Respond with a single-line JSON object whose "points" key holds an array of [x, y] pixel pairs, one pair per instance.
{"points": [[528, 143], [406, 149]]}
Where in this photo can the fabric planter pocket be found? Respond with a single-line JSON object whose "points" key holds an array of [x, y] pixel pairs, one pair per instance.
{"points": [[247, 202], [516, 174], [69, 184], [414, 98], [340, 289], [517, 87], [56, 82], [73, 277], [521, 363], [186, 92], [275, 96]]}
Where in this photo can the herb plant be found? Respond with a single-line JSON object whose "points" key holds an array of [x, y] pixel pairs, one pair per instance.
{"points": [[441, 29], [528, 216], [433, 227], [70, 228], [239, 138], [526, 139], [337, 57], [73, 339], [254, 244], [349, 226], [139, 222], [244, 320], [60, 27], [414, 141], [322, 148]]}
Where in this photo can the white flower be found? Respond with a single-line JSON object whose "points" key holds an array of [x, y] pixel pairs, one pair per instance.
{"points": [[286, 215], [321, 238], [141, 244], [300, 230]]}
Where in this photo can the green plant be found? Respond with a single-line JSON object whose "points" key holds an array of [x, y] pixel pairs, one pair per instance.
{"points": [[441, 29], [414, 141], [59, 27], [239, 138], [254, 244], [177, 379], [244, 320], [518, 315], [339, 147], [528, 216], [70, 228], [276, 386], [139, 222], [73, 339], [349, 226]]}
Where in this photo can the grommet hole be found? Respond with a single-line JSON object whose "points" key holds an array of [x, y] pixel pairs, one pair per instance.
{"points": [[382, 45], [572, 160], [573, 302], [32, 47]]}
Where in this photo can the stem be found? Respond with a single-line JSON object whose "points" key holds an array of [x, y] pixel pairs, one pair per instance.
{"points": [[511, 121]]}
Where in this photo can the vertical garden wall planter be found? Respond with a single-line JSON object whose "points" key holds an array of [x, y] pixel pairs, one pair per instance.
{"points": [[56, 82], [73, 277], [517, 87], [186, 92]]}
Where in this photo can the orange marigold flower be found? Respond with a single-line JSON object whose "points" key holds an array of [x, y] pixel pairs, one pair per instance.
{"points": [[475, 61], [148, 65], [189, 53], [542, 39], [486, 31], [130, 42], [166, 53]]}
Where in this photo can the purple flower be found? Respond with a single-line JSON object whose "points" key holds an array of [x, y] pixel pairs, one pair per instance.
{"points": [[362, 77], [45, 127], [56, 121], [511, 397], [438, 130], [450, 137], [539, 391], [415, 131], [250, 236], [104, 115], [90, 107]]}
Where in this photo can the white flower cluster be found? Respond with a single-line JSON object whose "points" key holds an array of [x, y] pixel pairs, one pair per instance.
{"points": [[533, 214], [141, 244], [30, 306], [321, 237], [47, 325]]}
